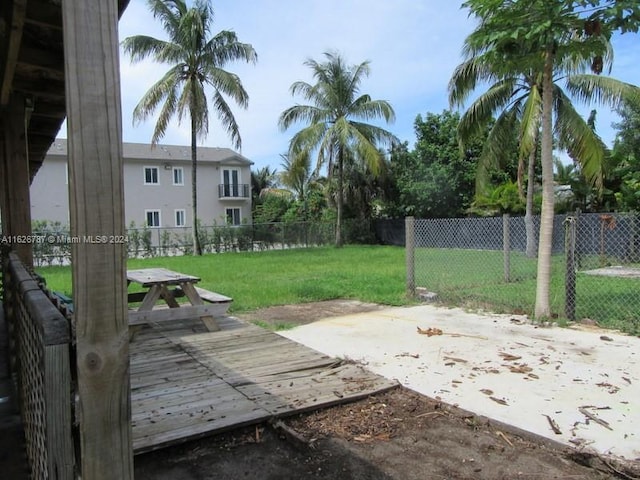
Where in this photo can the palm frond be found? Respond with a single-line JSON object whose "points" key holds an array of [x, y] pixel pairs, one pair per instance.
{"points": [[530, 121], [579, 140], [225, 47], [226, 83], [140, 47], [227, 119], [168, 12], [376, 135], [302, 114], [465, 79], [494, 152], [358, 73], [307, 139], [162, 89], [368, 109], [367, 151], [603, 90], [482, 110]]}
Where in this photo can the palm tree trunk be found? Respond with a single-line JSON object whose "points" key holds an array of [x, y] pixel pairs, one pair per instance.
{"points": [[532, 246], [340, 201], [543, 281], [197, 249]]}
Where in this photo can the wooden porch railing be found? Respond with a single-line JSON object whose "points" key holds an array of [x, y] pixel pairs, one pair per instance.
{"points": [[40, 338]]}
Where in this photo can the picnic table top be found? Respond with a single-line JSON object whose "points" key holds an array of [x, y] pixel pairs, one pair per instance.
{"points": [[153, 276]]}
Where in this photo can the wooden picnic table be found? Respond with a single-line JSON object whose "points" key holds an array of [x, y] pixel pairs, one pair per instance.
{"points": [[165, 286]]}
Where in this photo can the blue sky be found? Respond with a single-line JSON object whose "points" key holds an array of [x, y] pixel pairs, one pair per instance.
{"points": [[413, 47]]}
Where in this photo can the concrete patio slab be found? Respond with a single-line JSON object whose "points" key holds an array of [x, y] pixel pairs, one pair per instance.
{"points": [[584, 382]]}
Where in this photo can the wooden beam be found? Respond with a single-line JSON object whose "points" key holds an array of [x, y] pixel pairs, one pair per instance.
{"points": [[16, 179], [46, 14], [26, 69], [97, 208], [10, 56], [50, 110], [52, 90]]}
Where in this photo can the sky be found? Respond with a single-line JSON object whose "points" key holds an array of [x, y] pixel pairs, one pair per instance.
{"points": [[413, 47]]}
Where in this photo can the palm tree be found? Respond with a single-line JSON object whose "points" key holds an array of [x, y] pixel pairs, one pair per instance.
{"points": [[197, 59], [517, 98], [544, 37], [296, 174], [336, 121], [262, 179]]}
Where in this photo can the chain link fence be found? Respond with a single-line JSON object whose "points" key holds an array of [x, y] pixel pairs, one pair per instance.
{"points": [[52, 241], [484, 263]]}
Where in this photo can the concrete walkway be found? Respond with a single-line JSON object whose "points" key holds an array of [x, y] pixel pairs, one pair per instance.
{"points": [[582, 382]]}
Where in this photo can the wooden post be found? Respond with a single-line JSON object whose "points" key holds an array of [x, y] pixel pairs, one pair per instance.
{"points": [[506, 247], [16, 212], [96, 203], [410, 241]]}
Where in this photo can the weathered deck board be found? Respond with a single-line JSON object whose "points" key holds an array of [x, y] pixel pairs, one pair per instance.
{"points": [[186, 385]]}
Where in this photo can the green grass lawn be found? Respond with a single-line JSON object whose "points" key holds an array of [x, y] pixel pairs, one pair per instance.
{"points": [[279, 277], [464, 278]]}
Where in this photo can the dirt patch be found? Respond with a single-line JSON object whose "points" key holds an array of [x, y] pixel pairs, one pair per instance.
{"points": [[396, 435], [300, 314]]}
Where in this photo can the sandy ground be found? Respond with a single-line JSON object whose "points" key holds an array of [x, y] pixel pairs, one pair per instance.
{"points": [[582, 382]]}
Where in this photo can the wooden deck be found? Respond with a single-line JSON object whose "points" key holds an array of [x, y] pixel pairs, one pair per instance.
{"points": [[186, 383]]}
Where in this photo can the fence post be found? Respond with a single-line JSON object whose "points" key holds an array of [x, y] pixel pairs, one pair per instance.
{"points": [[506, 247], [284, 238], [570, 273], [410, 240]]}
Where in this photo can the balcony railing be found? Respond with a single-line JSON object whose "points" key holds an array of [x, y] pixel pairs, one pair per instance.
{"points": [[234, 190]]}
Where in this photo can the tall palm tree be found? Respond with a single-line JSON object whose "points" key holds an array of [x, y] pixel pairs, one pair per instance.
{"points": [[517, 99], [543, 36], [336, 121], [197, 59]]}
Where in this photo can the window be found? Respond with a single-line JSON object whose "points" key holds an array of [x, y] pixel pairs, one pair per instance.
{"points": [[178, 176], [233, 216], [153, 218], [151, 176], [180, 216], [231, 181]]}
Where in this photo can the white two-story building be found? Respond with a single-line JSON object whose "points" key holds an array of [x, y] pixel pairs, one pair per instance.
{"points": [[157, 186]]}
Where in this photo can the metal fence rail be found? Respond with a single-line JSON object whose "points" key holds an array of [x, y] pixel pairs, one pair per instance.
{"points": [[482, 263], [40, 357]]}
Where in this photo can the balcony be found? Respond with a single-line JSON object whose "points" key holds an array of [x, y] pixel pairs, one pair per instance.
{"points": [[231, 191]]}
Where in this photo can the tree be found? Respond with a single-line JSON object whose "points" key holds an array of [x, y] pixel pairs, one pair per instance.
{"points": [[550, 36], [364, 192], [502, 199], [296, 174], [197, 60], [262, 179], [626, 158], [337, 122], [516, 98], [436, 178]]}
